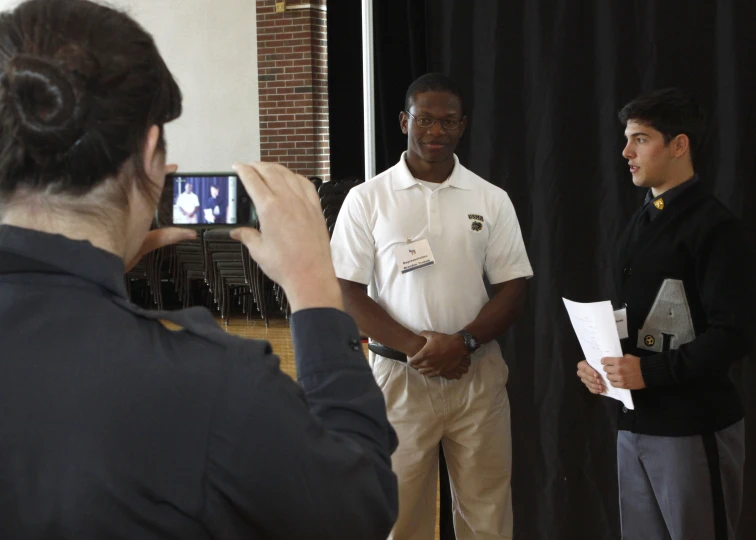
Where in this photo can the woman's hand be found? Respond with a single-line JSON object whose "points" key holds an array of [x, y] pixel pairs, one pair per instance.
{"points": [[162, 237]]}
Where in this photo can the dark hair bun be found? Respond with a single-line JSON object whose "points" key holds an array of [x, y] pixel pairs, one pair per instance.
{"points": [[80, 85], [45, 102]]}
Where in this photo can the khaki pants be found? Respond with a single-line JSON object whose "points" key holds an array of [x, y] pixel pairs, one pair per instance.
{"points": [[470, 417]]}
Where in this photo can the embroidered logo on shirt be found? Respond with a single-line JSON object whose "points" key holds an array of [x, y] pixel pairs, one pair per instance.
{"points": [[650, 341], [477, 222], [659, 204]]}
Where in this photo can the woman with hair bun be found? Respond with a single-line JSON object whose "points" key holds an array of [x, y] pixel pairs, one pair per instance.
{"points": [[112, 426]]}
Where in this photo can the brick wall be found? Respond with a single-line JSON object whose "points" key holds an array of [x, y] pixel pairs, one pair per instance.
{"points": [[293, 75]]}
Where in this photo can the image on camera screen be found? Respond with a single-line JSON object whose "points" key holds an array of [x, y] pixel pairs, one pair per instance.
{"points": [[207, 200]]}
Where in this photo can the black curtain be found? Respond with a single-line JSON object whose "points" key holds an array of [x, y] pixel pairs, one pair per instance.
{"points": [[543, 81], [345, 89]]}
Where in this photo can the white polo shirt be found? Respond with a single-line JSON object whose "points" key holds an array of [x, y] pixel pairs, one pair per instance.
{"points": [[470, 224], [188, 202]]}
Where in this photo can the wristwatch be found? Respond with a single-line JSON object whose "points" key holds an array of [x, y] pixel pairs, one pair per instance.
{"points": [[471, 344]]}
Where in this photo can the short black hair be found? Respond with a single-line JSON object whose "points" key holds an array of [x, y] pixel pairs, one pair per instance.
{"points": [[671, 112], [432, 82]]}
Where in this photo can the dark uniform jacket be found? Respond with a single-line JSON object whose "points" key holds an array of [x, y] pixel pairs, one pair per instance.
{"points": [[684, 273], [112, 426]]}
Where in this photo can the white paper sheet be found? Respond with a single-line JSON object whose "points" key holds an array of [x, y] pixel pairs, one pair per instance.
{"points": [[596, 329]]}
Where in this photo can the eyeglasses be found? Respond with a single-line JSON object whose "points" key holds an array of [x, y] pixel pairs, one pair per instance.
{"points": [[449, 124]]}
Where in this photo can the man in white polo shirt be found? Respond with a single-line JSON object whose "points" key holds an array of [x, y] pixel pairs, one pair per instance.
{"points": [[422, 235], [188, 206]]}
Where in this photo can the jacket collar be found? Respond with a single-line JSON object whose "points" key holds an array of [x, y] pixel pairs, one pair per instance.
{"points": [[656, 206], [26, 250]]}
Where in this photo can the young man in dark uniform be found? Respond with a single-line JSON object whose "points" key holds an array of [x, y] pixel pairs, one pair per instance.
{"points": [[684, 275], [216, 205]]}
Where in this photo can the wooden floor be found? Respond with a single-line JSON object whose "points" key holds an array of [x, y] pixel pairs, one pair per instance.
{"points": [[279, 336]]}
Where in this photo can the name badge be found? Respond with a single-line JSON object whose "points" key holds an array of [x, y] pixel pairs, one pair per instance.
{"points": [[414, 256], [620, 317]]}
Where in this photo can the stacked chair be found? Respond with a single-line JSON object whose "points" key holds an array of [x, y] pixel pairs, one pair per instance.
{"points": [[332, 195], [145, 279], [186, 264], [317, 182], [225, 274]]}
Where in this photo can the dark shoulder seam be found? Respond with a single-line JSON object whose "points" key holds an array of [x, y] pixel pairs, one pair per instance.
{"points": [[207, 329]]}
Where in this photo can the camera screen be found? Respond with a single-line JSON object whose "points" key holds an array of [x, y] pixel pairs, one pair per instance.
{"points": [[207, 200]]}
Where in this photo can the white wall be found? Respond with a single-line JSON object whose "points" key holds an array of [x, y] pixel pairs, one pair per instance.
{"points": [[211, 48]]}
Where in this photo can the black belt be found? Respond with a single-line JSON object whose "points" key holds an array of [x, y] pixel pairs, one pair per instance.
{"points": [[387, 352]]}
